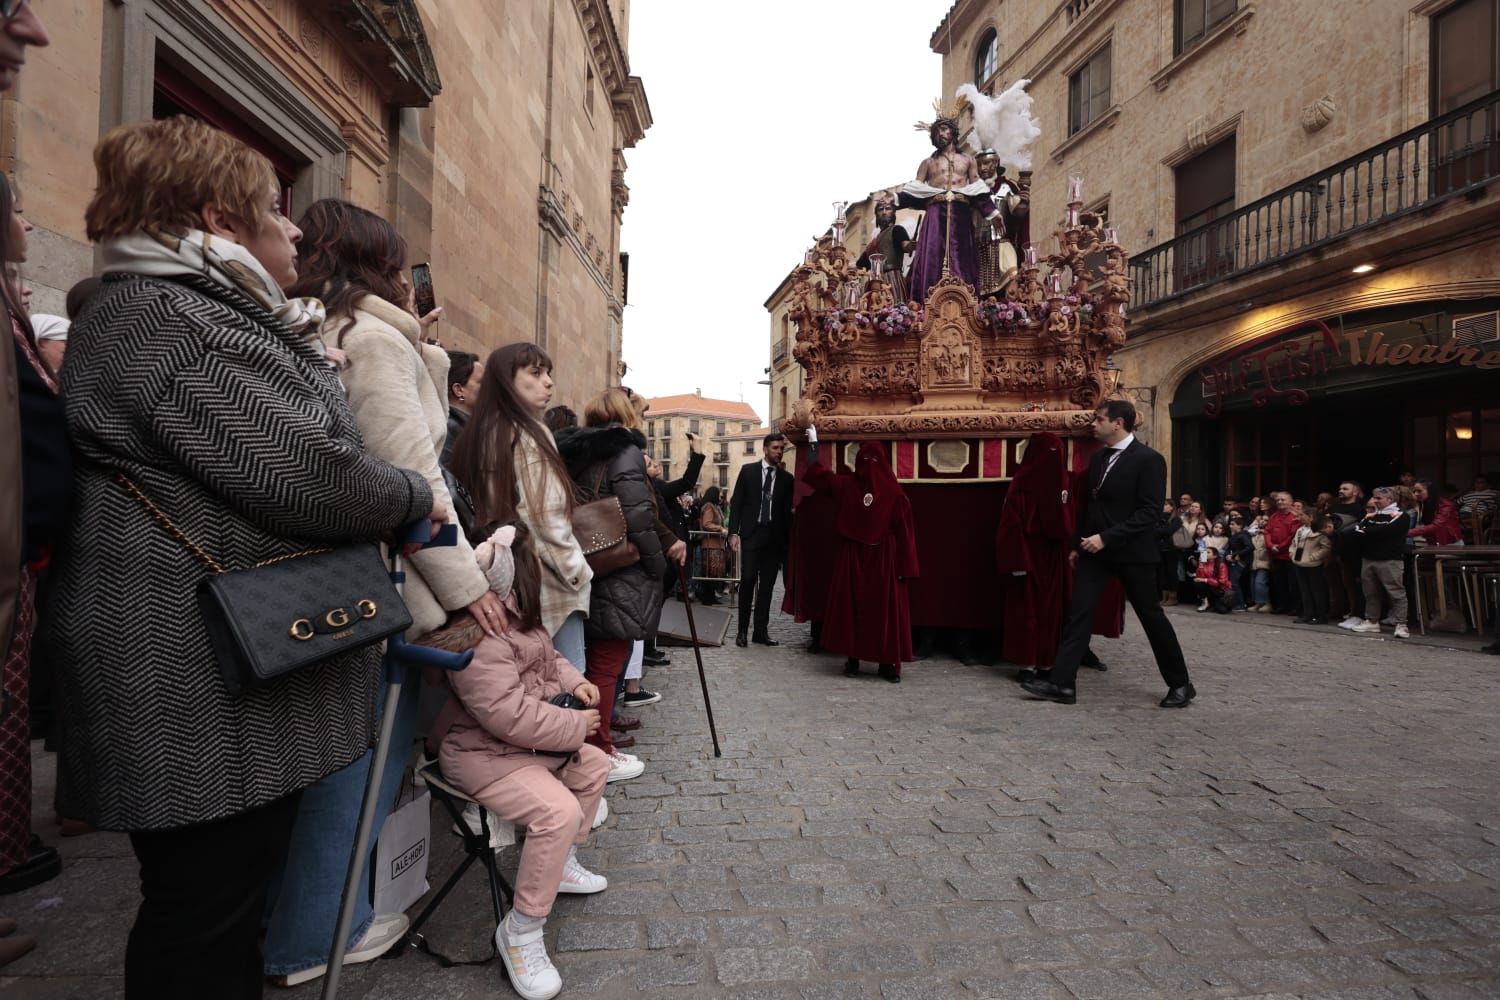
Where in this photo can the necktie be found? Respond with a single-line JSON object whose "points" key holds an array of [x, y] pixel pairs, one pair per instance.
{"points": [[1114, 456], [765, 496]]}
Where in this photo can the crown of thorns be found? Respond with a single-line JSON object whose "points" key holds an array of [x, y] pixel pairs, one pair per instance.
{"points": [[944, 115]]}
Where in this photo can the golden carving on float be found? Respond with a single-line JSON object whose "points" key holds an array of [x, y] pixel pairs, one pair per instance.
{"points": [[1033, 358]]}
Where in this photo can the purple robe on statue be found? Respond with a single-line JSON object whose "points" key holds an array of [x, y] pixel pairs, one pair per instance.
{"points": [[945, 221]]}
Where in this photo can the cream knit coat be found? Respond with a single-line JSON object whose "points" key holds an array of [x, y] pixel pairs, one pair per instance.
{"points": [[397, 389]]}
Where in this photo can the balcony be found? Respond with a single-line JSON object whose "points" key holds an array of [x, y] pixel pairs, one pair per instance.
{"points": [[779, 351], [721, 457], [1436, 162]]}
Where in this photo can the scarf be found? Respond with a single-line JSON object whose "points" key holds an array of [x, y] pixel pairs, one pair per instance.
{"points": [[223, 261]]}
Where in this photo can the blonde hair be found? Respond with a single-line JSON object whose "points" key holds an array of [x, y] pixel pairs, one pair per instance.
{"points": [[612, 406], [159, 175]]}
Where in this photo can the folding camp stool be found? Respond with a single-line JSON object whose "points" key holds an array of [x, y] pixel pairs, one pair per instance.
{"points": [[476, 848]]}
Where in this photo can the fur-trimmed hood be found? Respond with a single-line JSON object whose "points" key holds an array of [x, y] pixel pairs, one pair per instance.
{"points": [[581, 447]]}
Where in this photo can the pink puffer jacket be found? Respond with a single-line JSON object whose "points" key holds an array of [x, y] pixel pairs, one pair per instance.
{"points": [[499, 710]]}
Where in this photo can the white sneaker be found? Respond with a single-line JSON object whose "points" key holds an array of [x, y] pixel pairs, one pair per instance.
{"points": [[1402, 632], [531, 972], [601, 814], [579, 880], [622, 766], [1203, 605], [384, 933], [1366, 627], [1350, 622]]}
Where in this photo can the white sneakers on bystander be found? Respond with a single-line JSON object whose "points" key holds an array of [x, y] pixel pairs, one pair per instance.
{"points": [[601, 814], [1366, 626], [578, 879], [384, 933], [527, 964], [1350, 622], [1402, 632], [623, 766]]}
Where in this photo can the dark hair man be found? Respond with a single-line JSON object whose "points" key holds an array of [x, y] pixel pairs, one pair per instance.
{"points": [[760, 524], [1127, 488]]}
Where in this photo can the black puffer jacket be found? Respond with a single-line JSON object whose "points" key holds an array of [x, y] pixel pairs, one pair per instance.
{"points": [[626, 604]]}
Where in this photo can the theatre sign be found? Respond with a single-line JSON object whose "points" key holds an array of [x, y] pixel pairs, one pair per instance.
{"points": [[1292, 365]]}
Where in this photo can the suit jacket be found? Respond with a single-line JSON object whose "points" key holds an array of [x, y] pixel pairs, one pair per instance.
{"points": [[744, 514], [1124, 510]]}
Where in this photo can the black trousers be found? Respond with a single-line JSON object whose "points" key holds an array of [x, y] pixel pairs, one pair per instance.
{"points": [[1140, 584], [203, 900], [759, 565], [1284, 596]]}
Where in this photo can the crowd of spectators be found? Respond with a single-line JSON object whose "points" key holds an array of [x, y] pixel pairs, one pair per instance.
{"points": [[1340, 558]]}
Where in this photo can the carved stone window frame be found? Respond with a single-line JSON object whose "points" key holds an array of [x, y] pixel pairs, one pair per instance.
{"points": [[207, 47]]}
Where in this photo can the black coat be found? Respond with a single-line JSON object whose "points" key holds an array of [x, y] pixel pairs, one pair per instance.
{"points": [[672, 513], [744, 515], [626, 604], [1125, 509]]}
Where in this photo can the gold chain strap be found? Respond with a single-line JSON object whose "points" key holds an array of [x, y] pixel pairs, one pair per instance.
{"points": [[187, 543]]}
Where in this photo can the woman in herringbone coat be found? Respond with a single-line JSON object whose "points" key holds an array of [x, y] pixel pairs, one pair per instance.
{"points": [[192, 374]]}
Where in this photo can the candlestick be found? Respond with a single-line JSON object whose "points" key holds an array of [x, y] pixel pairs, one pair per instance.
{"points": [[1111, 234], [1031, 255], [1072, 217], [1075, 188], [877, 263]]}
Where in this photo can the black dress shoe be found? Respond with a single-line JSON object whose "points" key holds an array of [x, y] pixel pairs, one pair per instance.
{"points": [[41, 864], [657, 659], [1047, 691], [1029, 674], [851, 667], [1180, 696], [890, 672], [765, 640], [740, 640], [1092, 661], [1493, 647]]}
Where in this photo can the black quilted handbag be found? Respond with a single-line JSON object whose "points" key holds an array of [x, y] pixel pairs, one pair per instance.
{"points": [[292, 612]]}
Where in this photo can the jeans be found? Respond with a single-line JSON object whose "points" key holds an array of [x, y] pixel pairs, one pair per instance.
{"points": [[1260, 586], [1236, 571], [304, 895], [203, 894], [569, 640]]}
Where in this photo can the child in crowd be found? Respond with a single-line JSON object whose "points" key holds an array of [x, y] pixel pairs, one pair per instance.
{"points": [[1260, 578], [1239, 551], [1211, 578], [1311, 548], [505, 741]]}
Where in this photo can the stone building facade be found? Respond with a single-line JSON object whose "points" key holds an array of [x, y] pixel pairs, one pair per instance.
{"points": [[492, 136], [1299, 182], [727, 427]]}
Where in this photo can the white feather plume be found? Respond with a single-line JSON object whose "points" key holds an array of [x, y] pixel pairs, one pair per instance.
{"points": [[1003, 123]]}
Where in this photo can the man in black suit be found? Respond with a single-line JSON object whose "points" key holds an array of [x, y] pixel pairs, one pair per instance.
{"points": [[760, 526], [1127, 488]]}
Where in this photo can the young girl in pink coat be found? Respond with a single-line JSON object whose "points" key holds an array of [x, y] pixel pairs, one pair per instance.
{"points": [[503, 742]]}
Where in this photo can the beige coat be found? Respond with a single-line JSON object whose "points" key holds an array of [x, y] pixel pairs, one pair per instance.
{"points": [[544, 509], [397, 389]]}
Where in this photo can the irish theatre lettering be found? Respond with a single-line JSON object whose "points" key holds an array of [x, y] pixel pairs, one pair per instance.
{"points": [[1272, 367], [1286, 364]]}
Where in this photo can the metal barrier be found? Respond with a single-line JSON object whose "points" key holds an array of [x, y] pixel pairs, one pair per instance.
{"points": [[731, 560]]}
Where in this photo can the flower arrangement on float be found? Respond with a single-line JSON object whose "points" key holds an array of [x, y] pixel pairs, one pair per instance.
{"points": [[1002, 315], [897, 320], [1068, 305]]}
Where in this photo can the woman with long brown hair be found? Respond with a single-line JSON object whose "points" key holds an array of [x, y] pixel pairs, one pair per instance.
{"points": [[507, 460], [354, 262]]}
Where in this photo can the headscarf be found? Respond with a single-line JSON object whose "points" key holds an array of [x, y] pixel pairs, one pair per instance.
{"points": [[865, 515]]}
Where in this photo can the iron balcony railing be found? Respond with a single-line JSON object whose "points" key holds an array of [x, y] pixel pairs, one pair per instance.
{"points": [[1442, 159], [779, 351]]}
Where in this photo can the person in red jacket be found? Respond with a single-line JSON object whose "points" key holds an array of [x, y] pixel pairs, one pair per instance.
{"points": [[1211, 578], [1440, 524], [1281, 529]]}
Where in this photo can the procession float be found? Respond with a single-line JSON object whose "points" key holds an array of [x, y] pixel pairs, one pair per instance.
{"points": [[955, 360]]}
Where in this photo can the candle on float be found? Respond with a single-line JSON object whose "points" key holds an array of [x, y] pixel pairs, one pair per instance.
{"points": [[1075, 188], [1031, 255], [1111, 234]]}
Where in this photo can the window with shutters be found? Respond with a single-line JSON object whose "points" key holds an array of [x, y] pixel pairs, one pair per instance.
{"points": [[1196, 20], [1088, 90], [1205, 194], [1465, 67], [986, 57]]}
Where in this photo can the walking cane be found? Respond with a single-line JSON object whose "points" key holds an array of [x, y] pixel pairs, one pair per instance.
{"points": [[687, 605], [398, 657]]}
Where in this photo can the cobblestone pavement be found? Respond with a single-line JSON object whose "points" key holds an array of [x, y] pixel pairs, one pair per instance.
{"points": [[1322, 822]]}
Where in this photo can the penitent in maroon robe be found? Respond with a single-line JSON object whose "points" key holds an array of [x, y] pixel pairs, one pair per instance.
{"points": [[1031, 552], [867, 616], [1038, 527], [814, 550]]}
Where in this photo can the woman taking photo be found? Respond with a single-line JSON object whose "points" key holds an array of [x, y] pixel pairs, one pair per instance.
{"points": [[355, 263], [192, 376], [508, 462], [605, 458]]}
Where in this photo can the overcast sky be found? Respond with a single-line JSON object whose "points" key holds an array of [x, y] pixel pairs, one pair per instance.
{"points": [[765, 114]]}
